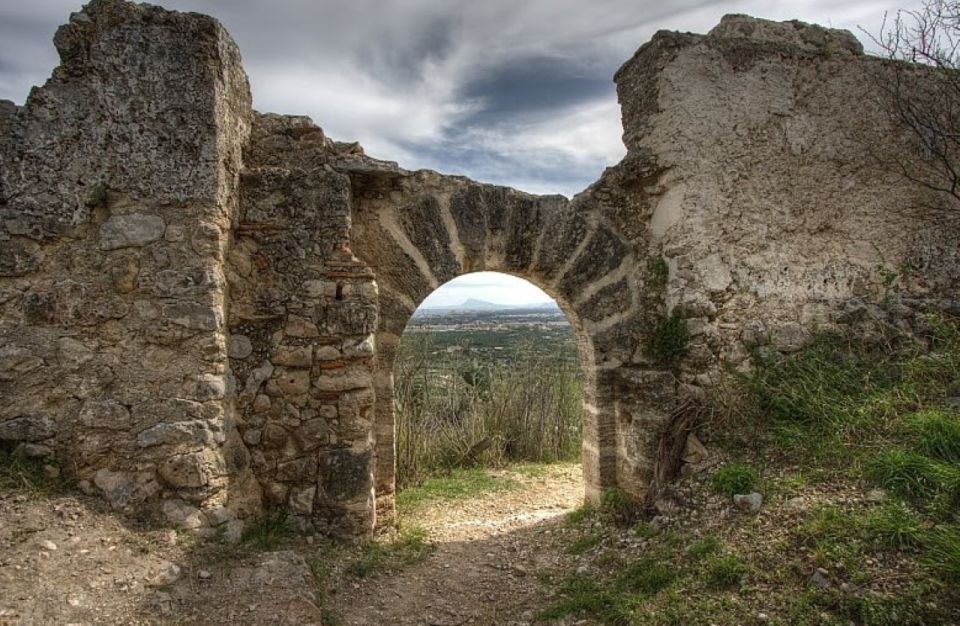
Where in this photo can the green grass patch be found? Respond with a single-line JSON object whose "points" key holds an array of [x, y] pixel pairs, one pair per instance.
{"points": [[409, 547], [614, 600], [269, 532], [936, 433], [454, 485], [586, 542], [724, 571], [646, 576], [943, 552], [580, 515], [835, 418], [585, 596], [27, 475], [735, 478], [915, 476], [894, 525], [644, 529], [620, 508], [703, 548]]}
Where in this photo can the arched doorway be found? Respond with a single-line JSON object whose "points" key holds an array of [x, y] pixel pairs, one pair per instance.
{"points": [[420, 231], [487, 375]]}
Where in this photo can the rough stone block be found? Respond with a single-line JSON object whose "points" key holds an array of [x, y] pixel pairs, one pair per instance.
{"points": [[294, 356], [135, 229], [28, 428]]}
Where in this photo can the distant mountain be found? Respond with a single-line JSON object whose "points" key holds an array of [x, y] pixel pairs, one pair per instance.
{"points": [[473, 304]]}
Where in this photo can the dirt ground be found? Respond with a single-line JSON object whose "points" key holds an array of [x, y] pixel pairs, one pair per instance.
{"points": [[66, 559], [488, 550]]}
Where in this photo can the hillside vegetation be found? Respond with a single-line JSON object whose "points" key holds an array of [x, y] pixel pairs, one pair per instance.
{"points": [[853, 447]]}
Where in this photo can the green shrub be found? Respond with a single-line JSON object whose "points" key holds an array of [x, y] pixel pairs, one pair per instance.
{"points": [[735, 478], [659, 272], [468, 407], [98, 196]]}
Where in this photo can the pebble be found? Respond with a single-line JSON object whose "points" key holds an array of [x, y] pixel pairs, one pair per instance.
{"points": [[204, 574], [46, 544], [820, 578]]}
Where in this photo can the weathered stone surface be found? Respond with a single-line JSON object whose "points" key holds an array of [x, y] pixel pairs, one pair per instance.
{"points": [[289, 382], [312, 434], [117, 487], [183, 515], [124, 231], [294, 356], [193, 469], [196, 432], [28, 428], [192, 315], [301, 502], [239, 347]]}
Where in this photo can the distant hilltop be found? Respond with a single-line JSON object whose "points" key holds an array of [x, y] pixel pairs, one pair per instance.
{"points": [[473, 305]]}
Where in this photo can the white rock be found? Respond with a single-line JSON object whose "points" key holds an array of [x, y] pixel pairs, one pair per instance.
{"points": [[750, 502]]}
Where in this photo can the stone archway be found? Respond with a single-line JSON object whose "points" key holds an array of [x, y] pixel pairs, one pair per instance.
{"points": [[421, 230]]}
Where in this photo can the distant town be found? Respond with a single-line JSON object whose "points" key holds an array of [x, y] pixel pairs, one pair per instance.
{"points": [[495, 331]]}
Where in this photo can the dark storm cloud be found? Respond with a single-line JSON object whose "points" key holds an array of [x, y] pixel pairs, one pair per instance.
{"points": [[507, 91], [528, 85]]}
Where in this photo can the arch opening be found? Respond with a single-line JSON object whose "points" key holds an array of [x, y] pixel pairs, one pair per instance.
{"points": [[489, 369], [487, 374]]}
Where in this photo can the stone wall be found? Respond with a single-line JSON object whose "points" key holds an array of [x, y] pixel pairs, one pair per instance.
{"points": [[201, 304], [118, 183]]}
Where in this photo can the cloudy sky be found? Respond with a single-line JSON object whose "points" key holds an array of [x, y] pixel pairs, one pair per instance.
{"points": [[516, 92]]}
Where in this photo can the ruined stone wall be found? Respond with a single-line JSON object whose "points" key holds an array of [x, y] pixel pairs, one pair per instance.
{"points": [[118, 182], [200, 305], [303, 313], [756, 167]]}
